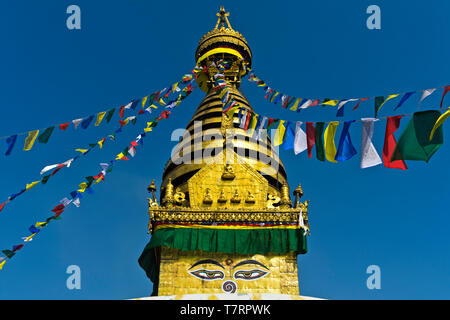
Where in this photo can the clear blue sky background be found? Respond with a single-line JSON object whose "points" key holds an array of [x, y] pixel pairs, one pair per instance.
{"points": [[126, 49]]}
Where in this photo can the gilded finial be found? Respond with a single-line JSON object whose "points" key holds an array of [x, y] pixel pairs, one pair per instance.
{"points": [[168, 195], [223, 17], [298, 193], [152, 189], [285, 200]]}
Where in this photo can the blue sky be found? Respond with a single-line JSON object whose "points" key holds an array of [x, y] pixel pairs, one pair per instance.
{"points": [[126, 49]]}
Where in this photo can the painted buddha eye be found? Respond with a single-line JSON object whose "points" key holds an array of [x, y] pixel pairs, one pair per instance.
{"points": [[208, 274], [250, 274]]}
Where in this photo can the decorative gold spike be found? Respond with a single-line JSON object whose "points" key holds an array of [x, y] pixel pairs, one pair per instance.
{"points": [[223, 17], [298, 193], [168, 196]]}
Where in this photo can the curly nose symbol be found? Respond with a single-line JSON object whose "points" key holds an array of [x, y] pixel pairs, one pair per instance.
{"points": [[229, 287]]}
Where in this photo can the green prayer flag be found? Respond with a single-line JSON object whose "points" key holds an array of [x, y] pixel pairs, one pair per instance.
{"points": [[320, 151], [414, 142], [8, 253], [45, 179], [133, 121], [378, 102], [44, 136], [109, 115], [92, 145]]}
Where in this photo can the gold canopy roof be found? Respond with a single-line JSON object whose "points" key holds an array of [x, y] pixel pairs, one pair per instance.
{"points": [[223, 38]]}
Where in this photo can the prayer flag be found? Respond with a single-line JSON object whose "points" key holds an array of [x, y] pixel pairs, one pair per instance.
{"points": [[330, 147], [86, 122], [310, 137], [29, 141], [290, 137], [109, 115], [404, 98], [346, 150], [446, 90], [44, 136], [369, 155], [359, 102], [32, 184], [320, 152], [76, 122], [10, 142], [414, 142], [300, 142], [100, 117], [63, 126], [392, 125], [426, 93]]}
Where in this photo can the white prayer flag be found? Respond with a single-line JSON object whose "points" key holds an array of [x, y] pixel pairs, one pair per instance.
{"points": [[76, 202], [300, 143], [369, 155], [426, 93], [76, 122], [306, 104]]}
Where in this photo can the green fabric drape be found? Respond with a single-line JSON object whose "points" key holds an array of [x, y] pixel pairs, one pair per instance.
{"points": [[242, 241]]}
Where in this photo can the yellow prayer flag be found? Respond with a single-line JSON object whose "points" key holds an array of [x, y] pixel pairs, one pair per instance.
{"points": [[273, 98], [100, 116], [387, 99], [331, 103], [31, 185], [81, 150], [279, 135], [29, 141], [439, 122], [98, 180], [330, 147], [2, 264], [294, 107], [40, 224], [82, 186], [144, 100], [100, 143], [120, 156], [162, 102]]}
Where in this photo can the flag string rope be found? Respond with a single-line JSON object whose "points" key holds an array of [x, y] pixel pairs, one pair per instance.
{"points": [[146, 102], [57, 167], [298, 104], [86, 186]]}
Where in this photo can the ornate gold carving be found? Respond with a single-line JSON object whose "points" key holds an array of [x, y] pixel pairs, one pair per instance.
{"points": [[168, 200], [228, 173], [236, 197], [179, 197], [272, 200], [207, 199], [250, 198], [222, 197]]}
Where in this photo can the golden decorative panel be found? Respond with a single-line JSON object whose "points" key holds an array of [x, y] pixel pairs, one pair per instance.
{"points": [[189, 272]]}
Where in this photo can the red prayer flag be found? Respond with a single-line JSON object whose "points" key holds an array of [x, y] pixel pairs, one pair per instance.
{"points": [[2, 205], [121, 111], [141, 112], [58, 209], [134, 143], [315, 103], [64, 126], [392, 125], [446, 90], [357, 105], [310, 137]]}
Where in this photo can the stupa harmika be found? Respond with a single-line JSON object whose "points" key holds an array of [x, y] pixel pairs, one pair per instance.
{"points": [[224, 227]]}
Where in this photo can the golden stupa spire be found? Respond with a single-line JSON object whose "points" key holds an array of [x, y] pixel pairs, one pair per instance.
{"points": [[223, 17]]}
